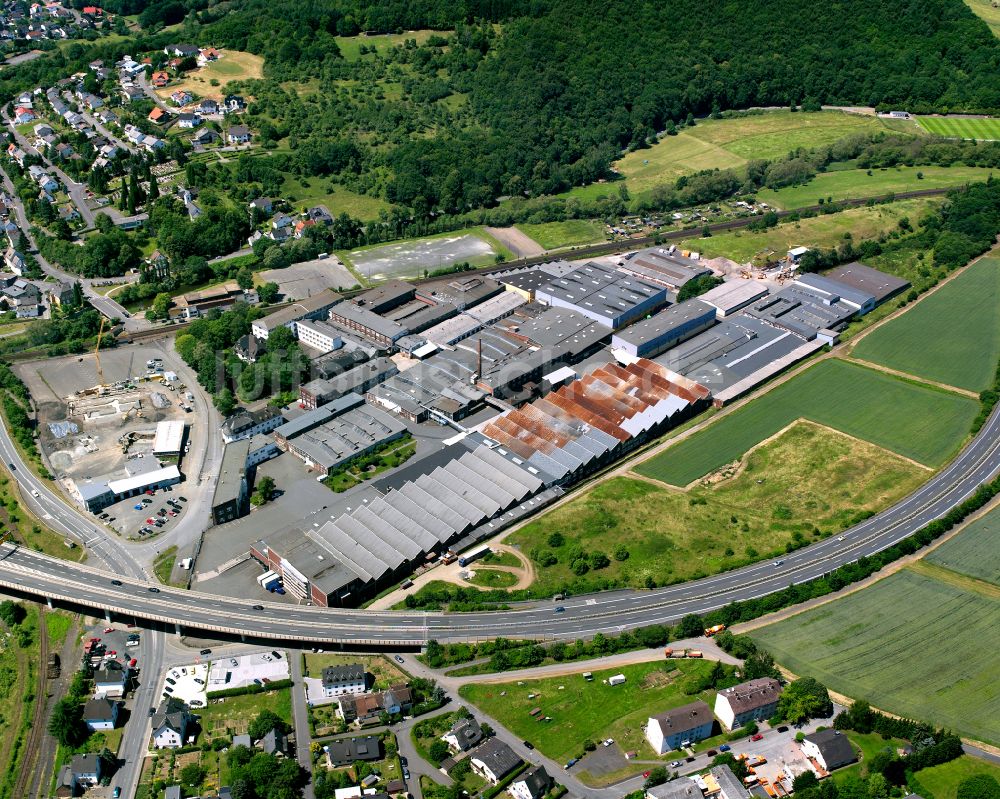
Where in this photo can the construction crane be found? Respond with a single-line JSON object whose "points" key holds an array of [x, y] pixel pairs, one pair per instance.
{"points": [[97, 355]]}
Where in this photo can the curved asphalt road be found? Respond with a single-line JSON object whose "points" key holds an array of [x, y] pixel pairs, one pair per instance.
{"points": [[27, 571]]}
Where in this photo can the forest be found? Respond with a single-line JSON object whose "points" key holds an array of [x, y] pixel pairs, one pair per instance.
{"points": [[520, 99]]}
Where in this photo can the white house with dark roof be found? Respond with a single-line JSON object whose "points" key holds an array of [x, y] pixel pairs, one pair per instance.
{"points": [[753, 700], [679, 726], [829, 748], [531, 784], [494, 760], [341, 680]]}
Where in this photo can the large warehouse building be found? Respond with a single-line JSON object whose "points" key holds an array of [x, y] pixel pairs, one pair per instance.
{"points": [[608, 297], [650, 337], [169, 439]]}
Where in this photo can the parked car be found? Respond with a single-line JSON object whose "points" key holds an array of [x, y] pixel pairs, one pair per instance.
{"points": [[756, 737], [675, 764], [528, 744], [725, 748], [783, 728], [572, 762], [205, 652], [109, 630], [608, 741], [116, 792], [171, 681]]}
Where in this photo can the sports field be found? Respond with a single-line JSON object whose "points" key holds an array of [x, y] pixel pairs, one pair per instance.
{"points": [[728, 143], [951, 336], [233, 65], [582, 710], [851, 183], [975, 551], [570, 233], [807, 482], [984, 129], [918, 422], [909, 644], [819, 231]]}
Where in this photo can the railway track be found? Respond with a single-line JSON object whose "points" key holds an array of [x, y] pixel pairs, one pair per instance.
{"points": [[33, 744]]}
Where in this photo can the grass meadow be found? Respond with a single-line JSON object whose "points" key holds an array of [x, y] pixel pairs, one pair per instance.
{"points": [[350, 46], [850, 183], [909, 644], [337, 198], [951, 336], [916, 421], [826, 230], [984, 129], [234, 65], [807, 483], [941, 782], [572, 232], [582, 710]]}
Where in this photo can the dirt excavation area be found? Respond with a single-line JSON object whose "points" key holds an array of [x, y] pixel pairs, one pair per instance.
{"points": [[91, 427]]}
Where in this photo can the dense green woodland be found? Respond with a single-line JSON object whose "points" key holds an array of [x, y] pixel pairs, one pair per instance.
{"points": [[545, 94]]}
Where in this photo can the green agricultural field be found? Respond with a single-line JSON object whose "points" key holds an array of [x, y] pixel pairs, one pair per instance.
{"points": [[584, 710], [728, 143], [941, 782], [919, 422], [851, 183], [975, 551], [909, 644], [962, 127], [951, 336], [826, 231], [552, 235], [334, 196], [808, 482]]}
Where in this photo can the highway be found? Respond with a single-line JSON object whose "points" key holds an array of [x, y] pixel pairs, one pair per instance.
{"points": [[29, 572]]}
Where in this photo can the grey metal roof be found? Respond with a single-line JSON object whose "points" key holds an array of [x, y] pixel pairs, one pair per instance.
{"points": [[395, 536], [440, 491], [880, 285], [495, 460], [401, 503], [232, 472], [665, 322], [486, 485], [318, 416], [849, 294], [513, 488], [434, 506], [350, 312], [467, 491]]}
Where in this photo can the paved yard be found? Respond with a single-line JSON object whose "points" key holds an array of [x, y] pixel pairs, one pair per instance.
{"points": [[242, 670], [187, 683], [411, 258], [303, 280]]}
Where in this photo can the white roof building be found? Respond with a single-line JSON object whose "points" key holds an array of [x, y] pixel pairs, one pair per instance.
{"points": [[169, 438]]}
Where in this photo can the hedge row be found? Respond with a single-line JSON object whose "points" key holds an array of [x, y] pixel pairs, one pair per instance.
{"points": [[274, 685]]}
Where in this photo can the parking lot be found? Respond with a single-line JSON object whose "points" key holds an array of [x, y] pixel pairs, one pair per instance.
{"points": [[137, 517], [115, 642], [257, 668], [308, 278], [187, 683]]}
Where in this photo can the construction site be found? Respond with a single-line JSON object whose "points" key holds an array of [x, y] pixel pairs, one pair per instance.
{"points": [[101, 415]]}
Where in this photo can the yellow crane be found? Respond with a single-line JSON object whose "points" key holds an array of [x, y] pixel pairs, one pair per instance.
{"points": [[97, 355]]}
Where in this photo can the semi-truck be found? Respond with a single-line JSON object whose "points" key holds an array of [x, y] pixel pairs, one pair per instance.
{"points": [[476, 554]]}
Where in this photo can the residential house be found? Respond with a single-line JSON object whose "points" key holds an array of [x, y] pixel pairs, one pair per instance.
{"points": [[110, 681], [247, 424], [275, 742], [749, 701], [682, 788], [132, 94], [679, 726], [188, 120], [238, 134], [249, 348], [729, 784], [170, 724], [16, 154], [83, 771], [62, 294], [157, 115], [494, 761], [243, 740], [173, 792], [464, 735], [15, 261], [100, 714], [829, 748], [207, 56], [160, 79], [263, 205], [208, 106], [347, 679], [233, 104], [302, 226], [181, 97], [23, 115], [365, 709], [320, 215], [531, 784], [344, 751], [205, 136], [182, 50]]}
